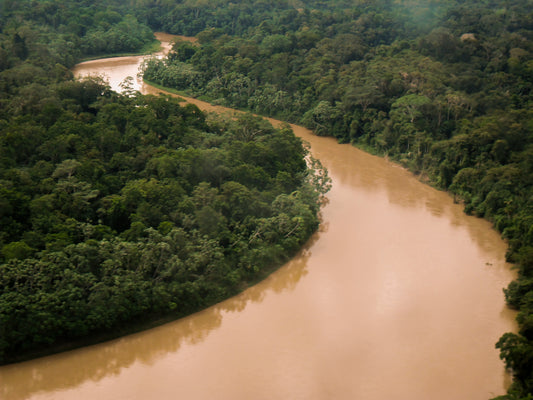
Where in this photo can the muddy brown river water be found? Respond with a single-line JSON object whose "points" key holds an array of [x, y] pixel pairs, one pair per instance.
{"points": [[398, 296]]}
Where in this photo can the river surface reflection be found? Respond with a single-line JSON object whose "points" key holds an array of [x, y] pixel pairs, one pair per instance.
{"points": [[398, 296]]}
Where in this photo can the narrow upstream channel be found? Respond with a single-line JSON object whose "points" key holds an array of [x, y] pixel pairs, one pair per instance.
{"points": [[398, 296]]}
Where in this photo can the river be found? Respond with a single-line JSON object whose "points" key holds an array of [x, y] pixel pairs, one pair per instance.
{"points": [[398, 296]]}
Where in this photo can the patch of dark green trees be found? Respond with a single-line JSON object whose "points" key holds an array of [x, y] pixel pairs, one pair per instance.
{"points": [[117, 210]]}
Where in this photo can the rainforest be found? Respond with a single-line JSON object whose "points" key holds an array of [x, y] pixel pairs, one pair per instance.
{"points": [[118, 208]]}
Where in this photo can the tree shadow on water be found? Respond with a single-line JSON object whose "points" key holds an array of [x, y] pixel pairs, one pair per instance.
{"points": [[71, 369]]}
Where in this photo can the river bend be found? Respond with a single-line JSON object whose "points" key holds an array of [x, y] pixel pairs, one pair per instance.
{"points": [[398, 296]]}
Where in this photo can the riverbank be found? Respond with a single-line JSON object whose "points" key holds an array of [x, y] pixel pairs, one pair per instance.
{"points": [[376, 281], [146, 324], [148, 49], [203, 268]]}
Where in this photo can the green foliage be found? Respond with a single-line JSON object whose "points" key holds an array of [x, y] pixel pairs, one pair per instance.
{"points": [[55, 31], [127, 217], [518, 355], [118, 209]]}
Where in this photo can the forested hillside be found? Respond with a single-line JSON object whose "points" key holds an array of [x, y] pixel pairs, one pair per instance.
{"points": [[444, 88], [120, 209]]}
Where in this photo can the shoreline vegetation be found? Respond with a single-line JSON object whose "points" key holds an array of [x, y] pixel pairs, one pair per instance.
{"points": [[263, 220], [146, 324], [445, 89], [148, 49], [122, 212]]}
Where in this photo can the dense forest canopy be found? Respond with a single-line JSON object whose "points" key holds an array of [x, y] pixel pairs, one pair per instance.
{"points": [[442, 86], [118, 209]]}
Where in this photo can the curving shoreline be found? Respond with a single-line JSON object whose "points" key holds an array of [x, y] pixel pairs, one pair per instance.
{"points": [[326, 324]]}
